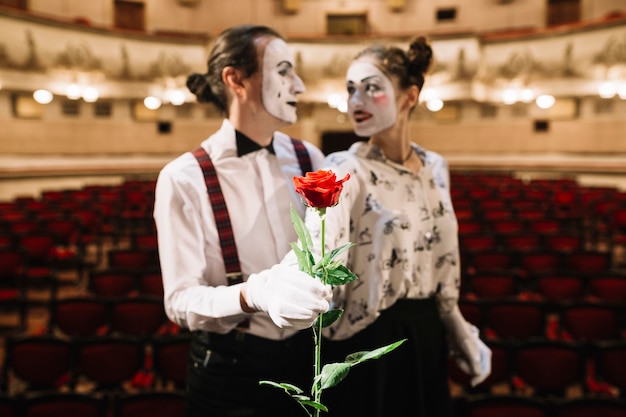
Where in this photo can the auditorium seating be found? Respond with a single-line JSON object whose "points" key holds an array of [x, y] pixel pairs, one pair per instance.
{"points": [[150, 404], [590, 406], [36, 363], [107, 363], [12, 291], [64, 404], [505, 405], [543, 273]]}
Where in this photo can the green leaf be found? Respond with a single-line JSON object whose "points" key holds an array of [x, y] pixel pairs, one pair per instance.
{"points": [[297, 394], [333, 373], [355, 357], [359, 357], [301, 231], [318, 272], [333, 253], [314, 404], [303, 259], [310, 261], [287, 387], [340, 276], [333, 265], [330, 317]]}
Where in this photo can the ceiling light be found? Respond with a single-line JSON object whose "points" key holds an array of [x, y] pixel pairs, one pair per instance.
{"points": [[545, 101], [91, 94], [152, 102], [42, 96], [434, 105], [333, 100], [607, 89], [176, 97], [510, 96], [73, 92], [527, 95], [428, 94]]}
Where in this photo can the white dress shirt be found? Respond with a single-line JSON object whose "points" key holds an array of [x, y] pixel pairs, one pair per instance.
{"points": [[258, 190], [404, 230]]}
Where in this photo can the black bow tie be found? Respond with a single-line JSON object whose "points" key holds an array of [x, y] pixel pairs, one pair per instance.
{"points": [[245, 145]]}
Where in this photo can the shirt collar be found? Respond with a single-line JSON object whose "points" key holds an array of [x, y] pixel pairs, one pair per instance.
{"points": [[245, 145], [373, 152]]}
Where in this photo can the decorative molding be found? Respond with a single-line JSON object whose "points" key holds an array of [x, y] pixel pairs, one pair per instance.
{"points": [[78, 56], [396, 5], [465, 67], [188, 3], [291, 6]]}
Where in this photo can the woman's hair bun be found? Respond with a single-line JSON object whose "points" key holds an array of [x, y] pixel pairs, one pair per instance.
{"points": [[420, 55]]}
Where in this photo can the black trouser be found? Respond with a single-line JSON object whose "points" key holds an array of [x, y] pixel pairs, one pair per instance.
{"points": [[224, 373], [411, 380]]}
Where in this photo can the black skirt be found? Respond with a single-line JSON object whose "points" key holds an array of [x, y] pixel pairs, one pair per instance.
{"points": [[412, 380]]}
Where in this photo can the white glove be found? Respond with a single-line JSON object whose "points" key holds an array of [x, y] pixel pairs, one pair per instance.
{"points": [[472, 355], [292, 298]]}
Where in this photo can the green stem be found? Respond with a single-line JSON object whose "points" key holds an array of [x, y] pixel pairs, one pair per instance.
{"points": [[318, 342]]}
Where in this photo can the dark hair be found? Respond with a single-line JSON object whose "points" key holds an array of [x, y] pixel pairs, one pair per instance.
{"points": [[234, 47], [409, 67]]}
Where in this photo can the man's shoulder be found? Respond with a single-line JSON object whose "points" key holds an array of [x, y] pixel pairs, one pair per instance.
{"points": [[180, 165], [285, 140]]}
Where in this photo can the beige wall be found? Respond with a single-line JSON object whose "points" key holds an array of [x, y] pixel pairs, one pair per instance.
{"points": [[470, 133], [542, 58], [211, 16]]}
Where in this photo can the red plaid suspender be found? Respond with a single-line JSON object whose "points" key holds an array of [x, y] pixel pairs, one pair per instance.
{"points": [[222, 219], [220, 211], [303, 156]]}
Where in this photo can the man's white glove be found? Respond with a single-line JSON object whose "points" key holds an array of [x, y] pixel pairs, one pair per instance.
{"points": [[292, 298], [472, 355]]}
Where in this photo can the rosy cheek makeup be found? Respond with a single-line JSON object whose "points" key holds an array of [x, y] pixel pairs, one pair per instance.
{"points": [[381, 99]]}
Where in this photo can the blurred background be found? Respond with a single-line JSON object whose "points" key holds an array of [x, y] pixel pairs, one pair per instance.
{"points": [[526, 99]]}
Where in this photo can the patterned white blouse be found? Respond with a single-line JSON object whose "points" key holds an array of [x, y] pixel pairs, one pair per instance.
{"points": [[404, 229]]}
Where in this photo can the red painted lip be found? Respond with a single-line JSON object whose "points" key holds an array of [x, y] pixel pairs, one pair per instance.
{"points": [[361, 116]]}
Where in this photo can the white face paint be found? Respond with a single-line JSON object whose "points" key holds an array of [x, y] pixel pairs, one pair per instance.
{"points": [[281, 84], [371, 99]]}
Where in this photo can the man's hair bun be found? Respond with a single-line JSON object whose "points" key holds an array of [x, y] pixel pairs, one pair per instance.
{"points": [[198, 85]]}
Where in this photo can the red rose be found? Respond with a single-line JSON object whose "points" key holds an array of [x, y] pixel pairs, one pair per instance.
{"points": [[320, 189]]}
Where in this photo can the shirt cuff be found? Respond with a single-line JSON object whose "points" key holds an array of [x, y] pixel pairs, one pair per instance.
{"points": [[230, 304]]}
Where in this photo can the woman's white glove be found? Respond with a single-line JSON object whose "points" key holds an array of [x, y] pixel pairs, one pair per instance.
{"points": [[472, 355], [292, 298]]}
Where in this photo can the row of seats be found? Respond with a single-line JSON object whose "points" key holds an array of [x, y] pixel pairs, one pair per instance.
{"points": [[551, 288], [522, 319], [170, 404], [93, 211], [522, 238], [551, 368], [117, 364], [106, 363], [85, 316], [130, 272], [527, 406], [529, 263], [151, 403], [501, 203]]}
